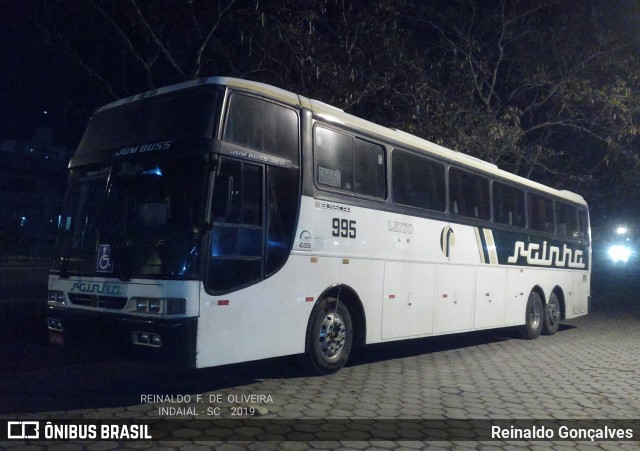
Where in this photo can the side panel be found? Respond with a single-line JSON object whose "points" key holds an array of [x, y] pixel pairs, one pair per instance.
{"points": [[516, 297], [454, 298], [580, 294], [265, 320], [491, 300], [365, 277], [407, 303]]}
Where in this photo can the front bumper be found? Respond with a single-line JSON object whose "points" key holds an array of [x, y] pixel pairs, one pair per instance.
{"points": [[170, 341]]}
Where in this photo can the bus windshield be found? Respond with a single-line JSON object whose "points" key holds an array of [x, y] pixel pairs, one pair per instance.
{"points": [[147, 211], [135, 188], [169, 117]]}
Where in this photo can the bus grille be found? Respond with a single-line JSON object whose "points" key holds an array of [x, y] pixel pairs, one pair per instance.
{"points": [[91, 300]]}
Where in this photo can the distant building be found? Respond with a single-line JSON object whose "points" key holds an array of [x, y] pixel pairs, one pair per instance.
{"points": [[33, 176]]}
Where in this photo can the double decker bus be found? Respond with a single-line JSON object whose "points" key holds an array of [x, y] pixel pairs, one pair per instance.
{"points": [[222, 220]]}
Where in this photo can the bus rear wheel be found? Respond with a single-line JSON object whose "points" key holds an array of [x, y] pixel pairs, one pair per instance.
{"points": [[551, 316], [329, 337], [534, 317]]}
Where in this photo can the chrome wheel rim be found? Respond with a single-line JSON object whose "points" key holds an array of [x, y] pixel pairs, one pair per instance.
{"points": [[535, 315], [332, 336]]}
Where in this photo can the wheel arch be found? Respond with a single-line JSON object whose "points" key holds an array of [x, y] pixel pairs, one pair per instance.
{"points": [[348, 296]]}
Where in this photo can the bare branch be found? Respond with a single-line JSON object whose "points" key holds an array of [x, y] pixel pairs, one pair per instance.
{"points": [[206, 41], [157, 40], [127, 43], [67, 49]]}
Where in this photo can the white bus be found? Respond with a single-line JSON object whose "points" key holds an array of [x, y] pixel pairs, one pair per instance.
{"points": [[222, 220]]}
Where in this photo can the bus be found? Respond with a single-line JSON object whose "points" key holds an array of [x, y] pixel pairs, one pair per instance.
{"points": [[222, 220]]}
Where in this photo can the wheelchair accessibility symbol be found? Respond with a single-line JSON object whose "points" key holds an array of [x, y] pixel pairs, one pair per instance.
{"points": [[104, 262]]}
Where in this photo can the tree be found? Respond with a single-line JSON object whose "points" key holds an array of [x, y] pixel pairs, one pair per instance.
{"points": [[537, 94], [546, 90]]}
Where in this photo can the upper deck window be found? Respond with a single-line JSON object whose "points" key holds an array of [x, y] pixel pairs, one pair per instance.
{"points": [[263, 126]]}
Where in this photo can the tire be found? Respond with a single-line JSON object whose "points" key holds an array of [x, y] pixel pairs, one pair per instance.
{"points": [[534, 317], [552, 315], [329, 337]]}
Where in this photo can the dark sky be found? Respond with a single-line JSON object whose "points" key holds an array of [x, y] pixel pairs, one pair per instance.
{"points": [[34, 79], [21, 83]]}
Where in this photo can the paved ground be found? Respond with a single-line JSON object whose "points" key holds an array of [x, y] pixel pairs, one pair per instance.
{"points": [[589, 370]]}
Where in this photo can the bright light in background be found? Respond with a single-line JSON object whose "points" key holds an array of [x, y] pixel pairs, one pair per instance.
{"points": [[619, 253], [622, 230]]}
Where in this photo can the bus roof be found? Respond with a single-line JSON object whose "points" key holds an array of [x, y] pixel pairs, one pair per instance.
{"points": [[337, 116]]}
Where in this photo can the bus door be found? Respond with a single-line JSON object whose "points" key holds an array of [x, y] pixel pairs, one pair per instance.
{"points": [[237, 234]]}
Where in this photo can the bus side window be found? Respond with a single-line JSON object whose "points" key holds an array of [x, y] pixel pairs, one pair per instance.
{"points": [[469, 194], [583, 224], [508, 205], [566, 220], [540, 213], [418, 181], [369, 169], [333, 154]]}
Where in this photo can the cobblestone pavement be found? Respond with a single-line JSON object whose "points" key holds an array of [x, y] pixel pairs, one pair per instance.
{"points": [[589, 370]]}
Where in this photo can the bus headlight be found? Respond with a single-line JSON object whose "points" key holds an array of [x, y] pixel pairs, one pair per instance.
{"points": [[158, 306], [154, 306], [56, 297]]}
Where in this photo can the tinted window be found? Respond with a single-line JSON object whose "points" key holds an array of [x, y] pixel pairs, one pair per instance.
{"points": [[173, 116], [334, 159], [263, 126], [468, 194], [567, 220], [540, 213], [583, 222], [282, 199], [508, 205], [369, 174], [237, 234], [418, 181], [349, 164]]}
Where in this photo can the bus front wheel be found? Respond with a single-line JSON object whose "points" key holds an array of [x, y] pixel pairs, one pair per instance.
{"points": [[534, 317], [329, 337]]}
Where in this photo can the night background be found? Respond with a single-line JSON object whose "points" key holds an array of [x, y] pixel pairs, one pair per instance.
{"points": [[547, 90]]}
